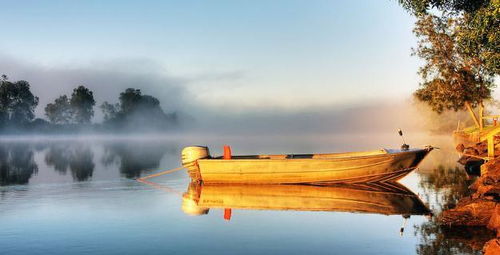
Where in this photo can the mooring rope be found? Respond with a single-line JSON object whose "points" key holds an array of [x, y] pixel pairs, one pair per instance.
{"points": [[159, 174], [159, 186]]}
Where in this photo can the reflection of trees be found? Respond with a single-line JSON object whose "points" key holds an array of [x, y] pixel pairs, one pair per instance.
{"points": [[78, 158], [17, 164], [437, 239], [58, 156], [447, 186], [134, 158]]}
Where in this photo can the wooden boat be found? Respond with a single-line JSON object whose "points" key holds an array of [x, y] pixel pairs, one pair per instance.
{"points": [[378, 198], [318, 169]]}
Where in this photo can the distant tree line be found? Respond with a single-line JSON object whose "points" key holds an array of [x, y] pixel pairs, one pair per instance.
{"points": [[133, 112]]}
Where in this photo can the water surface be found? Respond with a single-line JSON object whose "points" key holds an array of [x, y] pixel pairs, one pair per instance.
{"points": [[80, 196]]}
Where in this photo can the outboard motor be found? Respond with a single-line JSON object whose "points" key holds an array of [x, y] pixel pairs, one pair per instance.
{"points": [[189, 156]]}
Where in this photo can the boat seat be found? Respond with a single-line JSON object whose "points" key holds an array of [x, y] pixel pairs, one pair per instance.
{"points": [[299, 156]]}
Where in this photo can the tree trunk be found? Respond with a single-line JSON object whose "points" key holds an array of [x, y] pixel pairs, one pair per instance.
{"points": [[472, 114], [481, 111]]}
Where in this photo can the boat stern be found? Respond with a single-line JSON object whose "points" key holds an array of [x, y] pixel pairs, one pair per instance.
{"points": [[189, 159]]}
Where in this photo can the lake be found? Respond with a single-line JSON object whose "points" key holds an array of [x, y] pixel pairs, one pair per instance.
{"points": [[78, 195]]}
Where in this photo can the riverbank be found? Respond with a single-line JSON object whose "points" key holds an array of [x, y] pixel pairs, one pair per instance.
{"points": [[482, 207]]}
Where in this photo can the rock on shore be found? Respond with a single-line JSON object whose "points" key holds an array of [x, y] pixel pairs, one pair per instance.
{"points": [[482, 208]]}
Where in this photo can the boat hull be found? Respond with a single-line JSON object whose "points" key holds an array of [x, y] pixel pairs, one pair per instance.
{"points": [[314, 170], [381, 198]]}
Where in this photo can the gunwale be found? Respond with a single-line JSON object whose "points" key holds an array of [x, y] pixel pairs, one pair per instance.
{"points": [[306, 156]]}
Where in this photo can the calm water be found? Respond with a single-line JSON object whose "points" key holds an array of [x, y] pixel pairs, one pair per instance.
{"points": [[79, 196]]}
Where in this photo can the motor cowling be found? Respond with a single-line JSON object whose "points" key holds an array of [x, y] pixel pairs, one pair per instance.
{"points": [[192, 153], [189, 156]]}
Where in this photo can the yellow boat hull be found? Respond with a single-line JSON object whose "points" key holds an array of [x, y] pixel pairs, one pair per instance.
{"points": [[319, 169]]}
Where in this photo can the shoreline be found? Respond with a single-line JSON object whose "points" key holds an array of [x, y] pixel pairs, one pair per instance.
{"points": [[482, 207]]}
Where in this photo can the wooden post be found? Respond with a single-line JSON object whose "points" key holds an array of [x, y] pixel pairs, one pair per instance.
{"points": [[491, 146], [472, 114], [490, 139], [481, 121]]}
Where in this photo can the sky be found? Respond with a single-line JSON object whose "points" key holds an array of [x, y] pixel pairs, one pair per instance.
{"points": [[236, 55]]}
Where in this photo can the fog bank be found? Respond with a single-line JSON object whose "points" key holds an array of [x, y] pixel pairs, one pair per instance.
{"points": [[108, 79]]}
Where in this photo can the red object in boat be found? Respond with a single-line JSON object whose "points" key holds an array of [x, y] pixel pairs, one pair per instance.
{"points": [[227, 152], [227, 213]]}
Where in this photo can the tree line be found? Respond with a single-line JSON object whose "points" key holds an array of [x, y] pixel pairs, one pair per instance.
{"points": [[133, 112]]}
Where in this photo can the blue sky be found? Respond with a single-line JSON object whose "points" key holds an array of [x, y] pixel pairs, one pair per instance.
{"points": [[243, 54]]}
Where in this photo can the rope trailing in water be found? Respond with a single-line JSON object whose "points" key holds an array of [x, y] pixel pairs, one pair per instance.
{"points": [[142, 179], [159, 186]]}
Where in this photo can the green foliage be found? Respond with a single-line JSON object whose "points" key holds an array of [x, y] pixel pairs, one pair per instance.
{"points": [[478, 36], [82, 104], [60, 111], [17, 103], [79, 109], [419, 7], [477, 33], [450, 78], [460, 48]]}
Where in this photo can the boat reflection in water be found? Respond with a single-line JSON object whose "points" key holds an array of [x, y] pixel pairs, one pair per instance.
{"points": [[377, 198]]}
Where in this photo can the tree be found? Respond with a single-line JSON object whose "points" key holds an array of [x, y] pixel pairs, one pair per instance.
{"points": [[136, 111], [450, 80], [479, 36], [17, 103], [82, 103], [130, 99], [477, 30], [136, 107], [460, 50], [110, 111], [59, 112]]}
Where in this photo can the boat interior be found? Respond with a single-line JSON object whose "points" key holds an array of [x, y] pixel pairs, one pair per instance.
{"points": [[310, 156]]}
